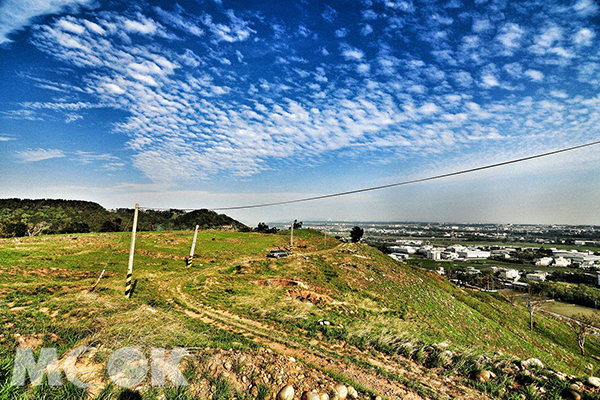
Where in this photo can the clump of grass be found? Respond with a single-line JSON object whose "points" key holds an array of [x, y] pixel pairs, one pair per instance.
{"points": [[221, 388]]}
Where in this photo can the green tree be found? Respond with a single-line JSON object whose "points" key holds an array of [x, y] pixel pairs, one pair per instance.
{"points": [[356, 234]]}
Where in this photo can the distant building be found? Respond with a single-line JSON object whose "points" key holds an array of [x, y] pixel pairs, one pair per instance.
{"points": [[404, 249], [561, 262], [434, 255], [399, 256], [474, 254], [509, 274], [537, 276], [544, 261]]}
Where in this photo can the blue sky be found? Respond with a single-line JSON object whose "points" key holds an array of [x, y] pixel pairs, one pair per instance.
{"points": [[215, 103]]}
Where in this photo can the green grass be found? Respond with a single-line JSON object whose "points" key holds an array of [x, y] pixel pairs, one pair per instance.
{"points": [[370, 300]]}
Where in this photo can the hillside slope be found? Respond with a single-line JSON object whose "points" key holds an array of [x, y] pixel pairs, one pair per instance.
{"points": [[342, 312], [21, 217]]}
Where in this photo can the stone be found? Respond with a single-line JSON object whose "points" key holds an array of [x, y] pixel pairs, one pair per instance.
{"points": [[341, 391], [532, 362], [323, 396], [352, 393], [286, 393], [378, 398], [310, 396], [570, 394], [593, 382], [482, 375]]}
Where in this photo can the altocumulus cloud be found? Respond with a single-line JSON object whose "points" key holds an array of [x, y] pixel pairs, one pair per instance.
{"points": [[224, 91]]}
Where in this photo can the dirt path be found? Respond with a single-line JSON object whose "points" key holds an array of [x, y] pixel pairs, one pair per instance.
{"points": [[398, 381]]}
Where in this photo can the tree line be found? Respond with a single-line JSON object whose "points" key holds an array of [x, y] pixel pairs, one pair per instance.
{"points": [[25, 217]]}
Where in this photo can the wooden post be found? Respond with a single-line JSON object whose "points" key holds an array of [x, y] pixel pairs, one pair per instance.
{"points": [[325, 239], [128, 287], [190, 260], [292, 235]]}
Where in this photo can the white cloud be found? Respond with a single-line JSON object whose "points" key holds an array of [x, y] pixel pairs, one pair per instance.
{"points": [[72, 118], [510, 36], [177, 20], [481, 25], [237, 30], [534, 75], [352, 53], [584, 37], [586, 8], [29, 156], [142, 25], [489, 81], [366, 30], [429, 109], [70, 27], [6, 138], [92, 26], [340, 33], [15, 15]]}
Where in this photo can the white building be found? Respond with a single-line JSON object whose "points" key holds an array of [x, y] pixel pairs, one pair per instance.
{"points": [[537, 276], [561, 262], [449, 255], [544, 261], [509, 274], [474, 254], [434, 255], [399, 256], [404, 249]]}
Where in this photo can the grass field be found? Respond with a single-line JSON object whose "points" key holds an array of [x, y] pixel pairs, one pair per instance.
{"points": [[337, 308]]}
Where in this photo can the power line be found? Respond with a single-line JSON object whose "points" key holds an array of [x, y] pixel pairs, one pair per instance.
{"points": [[389, 185]]}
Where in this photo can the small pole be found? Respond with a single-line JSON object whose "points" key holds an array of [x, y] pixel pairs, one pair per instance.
{"points": [[98, 281], [325, 239], [190, 260], [292, 234], [128, 288]]}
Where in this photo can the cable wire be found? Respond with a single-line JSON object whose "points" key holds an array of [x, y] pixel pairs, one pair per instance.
{"points": [[389, 185]]}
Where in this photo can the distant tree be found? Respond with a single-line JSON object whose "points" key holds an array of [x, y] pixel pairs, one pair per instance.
{"points": [[264, 228], [14, 229], [38, 228], [584, 325], [109, 226], [534, 300], [511, 296], [297, 225], [356, 234], [76, 227]]}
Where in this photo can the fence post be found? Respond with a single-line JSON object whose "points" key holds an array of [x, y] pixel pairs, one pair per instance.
{"points": [[292, 234], [128, 288], [190, 260]]}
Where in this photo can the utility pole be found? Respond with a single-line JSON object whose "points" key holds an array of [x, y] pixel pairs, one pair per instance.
{"points": [[190, 260], [292, 234], [131, 251]]}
